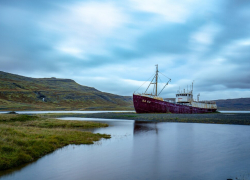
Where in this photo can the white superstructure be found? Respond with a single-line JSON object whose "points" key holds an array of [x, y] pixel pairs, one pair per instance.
{"points": [[186, 98]]}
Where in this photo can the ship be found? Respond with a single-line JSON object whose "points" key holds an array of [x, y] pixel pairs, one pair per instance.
{"points": [[183, 103]]}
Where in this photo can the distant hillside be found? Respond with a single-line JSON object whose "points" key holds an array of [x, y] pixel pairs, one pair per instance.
{"points": [[241, 104], [24, 93]]}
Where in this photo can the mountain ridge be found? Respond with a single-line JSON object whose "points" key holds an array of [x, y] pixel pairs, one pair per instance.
{"points": [[26, 93], [237, 104]]}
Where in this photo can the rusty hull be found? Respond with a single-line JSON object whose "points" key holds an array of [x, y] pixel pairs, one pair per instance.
{"points": [[144, 104]]}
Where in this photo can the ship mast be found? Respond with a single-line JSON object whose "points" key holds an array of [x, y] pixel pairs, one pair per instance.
{"points": [[155, 83], [156, 79]]}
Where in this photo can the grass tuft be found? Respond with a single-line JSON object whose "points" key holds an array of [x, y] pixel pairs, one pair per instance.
{"points": [[25, 138]]}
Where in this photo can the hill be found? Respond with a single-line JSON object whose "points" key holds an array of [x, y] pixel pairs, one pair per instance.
{"points": [[240, 104], [25, 93]]}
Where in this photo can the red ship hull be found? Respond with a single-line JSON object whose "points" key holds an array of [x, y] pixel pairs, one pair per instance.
{"points": [[144, 104]]}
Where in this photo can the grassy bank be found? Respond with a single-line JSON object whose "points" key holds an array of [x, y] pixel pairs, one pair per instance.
{"points": [[25, 138], [213, 118]]}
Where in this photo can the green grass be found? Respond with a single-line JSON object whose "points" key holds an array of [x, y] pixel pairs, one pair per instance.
{"points": [[25, 138], [16, 117], [54, 123], [128, 116]]}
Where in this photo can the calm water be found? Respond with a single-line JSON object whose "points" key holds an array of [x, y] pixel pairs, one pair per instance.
{"points": [[168, 151], [42, 112], [234, 111]]}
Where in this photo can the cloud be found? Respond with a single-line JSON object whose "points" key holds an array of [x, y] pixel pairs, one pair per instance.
{"points": [[171, 11], [83, 27], [203, 38], [114, 45]]}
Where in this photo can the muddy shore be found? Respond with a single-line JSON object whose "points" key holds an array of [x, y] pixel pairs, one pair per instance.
{"points": [[213, 118]]}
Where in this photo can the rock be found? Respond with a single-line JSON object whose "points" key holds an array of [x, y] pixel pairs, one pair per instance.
{"points": [[12, 112]]}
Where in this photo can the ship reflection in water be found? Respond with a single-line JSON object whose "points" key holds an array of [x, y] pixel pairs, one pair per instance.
{"points": [[140, 150], [142, 127]]}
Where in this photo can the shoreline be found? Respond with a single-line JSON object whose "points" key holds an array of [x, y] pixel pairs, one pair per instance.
{"points": [[211, 118], [26, 138]]}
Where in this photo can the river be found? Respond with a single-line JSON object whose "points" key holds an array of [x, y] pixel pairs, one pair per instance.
{"points": [[143, 151]]}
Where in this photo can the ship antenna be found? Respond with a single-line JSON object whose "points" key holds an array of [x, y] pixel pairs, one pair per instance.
{"points": [[156, 79], [192, 86]]}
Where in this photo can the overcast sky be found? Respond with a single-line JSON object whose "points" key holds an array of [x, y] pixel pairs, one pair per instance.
{"points": [[114, 45]]}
